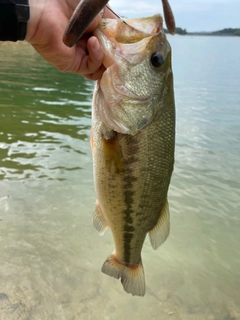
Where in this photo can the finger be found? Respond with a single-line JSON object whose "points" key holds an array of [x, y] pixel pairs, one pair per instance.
{"points": [[92, 62], [96, 75]]}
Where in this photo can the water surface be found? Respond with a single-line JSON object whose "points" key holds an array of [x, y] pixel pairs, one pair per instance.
{"points": [[50, 255]]}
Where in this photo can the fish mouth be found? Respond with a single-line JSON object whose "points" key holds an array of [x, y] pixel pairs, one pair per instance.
{"points": [[127, 40], [131, 31]]}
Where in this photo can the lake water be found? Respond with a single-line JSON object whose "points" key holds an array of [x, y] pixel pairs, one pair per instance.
{"points": [[50, 255]]}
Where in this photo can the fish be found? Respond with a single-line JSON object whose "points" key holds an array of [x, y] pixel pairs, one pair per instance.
{"points": [[132, 135], [133, 142]]}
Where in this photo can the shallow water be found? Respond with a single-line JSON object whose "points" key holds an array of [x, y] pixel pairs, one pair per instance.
{"points": [[50, 255]]}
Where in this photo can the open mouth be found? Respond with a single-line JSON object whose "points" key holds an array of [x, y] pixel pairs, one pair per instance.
{"points": [[127, 39], [131, 30]]}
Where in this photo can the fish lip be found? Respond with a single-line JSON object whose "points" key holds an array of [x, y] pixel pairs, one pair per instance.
{"points": [[113, 28]]}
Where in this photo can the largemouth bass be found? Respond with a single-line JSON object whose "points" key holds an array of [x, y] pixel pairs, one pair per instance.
{"points": [[132, 139]]}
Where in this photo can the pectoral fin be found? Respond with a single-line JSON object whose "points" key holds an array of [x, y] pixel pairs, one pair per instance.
{"points": [[99, 222], [113, 154], [161, 230]]}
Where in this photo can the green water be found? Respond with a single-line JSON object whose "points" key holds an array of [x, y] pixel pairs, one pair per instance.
{"points": [[50, 255]]}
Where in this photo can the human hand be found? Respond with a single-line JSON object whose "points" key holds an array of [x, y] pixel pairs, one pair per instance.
{"points": [[48, 21]]}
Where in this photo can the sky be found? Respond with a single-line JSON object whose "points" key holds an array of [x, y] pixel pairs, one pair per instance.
{"points": [[193, 15]]}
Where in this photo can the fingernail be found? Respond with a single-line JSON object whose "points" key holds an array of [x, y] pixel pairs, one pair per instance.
{"points": [[96, 45]]}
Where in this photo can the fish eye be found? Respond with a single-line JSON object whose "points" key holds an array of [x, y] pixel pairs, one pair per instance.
{"points": [[157, 60]]}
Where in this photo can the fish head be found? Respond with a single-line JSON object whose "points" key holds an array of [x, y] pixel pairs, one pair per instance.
{"points": [[137, 58]]}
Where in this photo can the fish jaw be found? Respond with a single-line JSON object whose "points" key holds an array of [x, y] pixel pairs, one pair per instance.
{"points": [[124, 104]]}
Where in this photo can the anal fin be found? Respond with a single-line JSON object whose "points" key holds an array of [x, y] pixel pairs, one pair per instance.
{"points": [[161, 230], [132, 277], [99, 222]]}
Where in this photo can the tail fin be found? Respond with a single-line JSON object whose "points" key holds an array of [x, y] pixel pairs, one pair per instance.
{"points": [[132, 277]]}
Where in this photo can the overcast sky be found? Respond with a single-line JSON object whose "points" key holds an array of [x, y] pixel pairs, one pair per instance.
{"points": [[193, 15]]}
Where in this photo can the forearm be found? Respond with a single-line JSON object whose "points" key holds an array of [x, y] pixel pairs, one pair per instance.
{"points": [[36, 12]]}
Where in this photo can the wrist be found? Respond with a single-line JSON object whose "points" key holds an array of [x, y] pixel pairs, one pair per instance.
{"points": [[36, 10]]}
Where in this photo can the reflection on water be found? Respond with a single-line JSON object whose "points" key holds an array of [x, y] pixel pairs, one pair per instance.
{"points": [[50, 256], [43, 116]]}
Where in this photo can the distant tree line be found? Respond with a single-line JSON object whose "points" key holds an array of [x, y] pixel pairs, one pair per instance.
{"points": [[178, 31], [223, 32], [227, 32]]}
